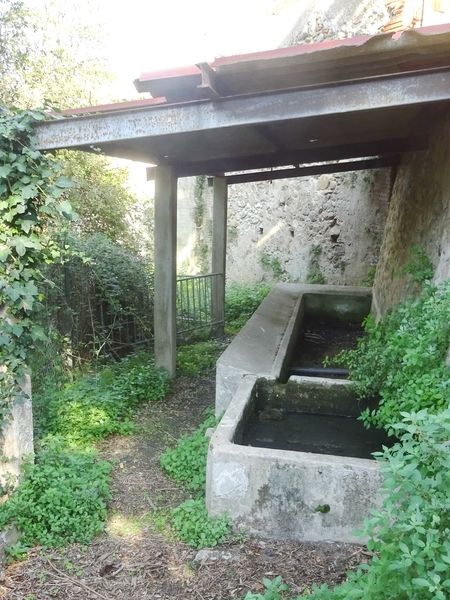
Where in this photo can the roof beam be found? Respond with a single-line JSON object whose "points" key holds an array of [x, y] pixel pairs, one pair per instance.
{"points": [[313, 154], [208, 80], [394, 91], [355, 165]]}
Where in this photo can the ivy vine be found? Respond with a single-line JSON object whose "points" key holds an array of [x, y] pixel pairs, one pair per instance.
{"points": [[32, 202]]}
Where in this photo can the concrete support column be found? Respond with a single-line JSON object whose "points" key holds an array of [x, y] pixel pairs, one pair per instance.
{"points": [[219, 251], [165, 268], [16, 436]]}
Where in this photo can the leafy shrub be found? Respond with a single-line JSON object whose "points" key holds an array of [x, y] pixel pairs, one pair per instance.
{"points": [[62, 498], [99, 404], [241, 302], [402, 358], [198, 358], [186, 463], [419, 268], [271, 263], [275, 589], [192, 524], [410, 534]]}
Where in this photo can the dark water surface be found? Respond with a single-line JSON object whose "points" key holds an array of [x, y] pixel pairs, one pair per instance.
{"points": [[321, 434]]}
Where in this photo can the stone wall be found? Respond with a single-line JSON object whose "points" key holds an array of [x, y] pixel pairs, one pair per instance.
{"points": [[322, 230], [419, 214]]}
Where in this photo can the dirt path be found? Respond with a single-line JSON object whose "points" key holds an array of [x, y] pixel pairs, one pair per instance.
{"points": [[134, 560]]}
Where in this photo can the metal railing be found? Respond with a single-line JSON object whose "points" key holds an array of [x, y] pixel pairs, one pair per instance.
{"points": [[194, 302]]}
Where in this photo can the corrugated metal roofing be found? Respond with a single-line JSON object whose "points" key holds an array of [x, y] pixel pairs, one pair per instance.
{"points": [[307, 64], [359, 97]]}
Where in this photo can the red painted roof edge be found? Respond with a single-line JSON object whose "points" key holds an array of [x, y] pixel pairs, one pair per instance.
{"points": [[299, 49], [168, 73]]}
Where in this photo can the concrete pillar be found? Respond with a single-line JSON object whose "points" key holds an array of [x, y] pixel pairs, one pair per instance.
{"points": [[16, 436], [165, 268], [219, 251]]}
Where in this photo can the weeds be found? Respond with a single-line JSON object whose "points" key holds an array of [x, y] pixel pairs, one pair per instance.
{"points": [[241, 302], [62, 497], [186, 464], [199, 358]]}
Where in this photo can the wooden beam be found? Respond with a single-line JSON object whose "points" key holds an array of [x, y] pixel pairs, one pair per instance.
{"points": [[357, 165]]}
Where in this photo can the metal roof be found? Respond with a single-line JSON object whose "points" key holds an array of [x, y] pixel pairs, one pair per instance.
{"points": [[359, 97]]}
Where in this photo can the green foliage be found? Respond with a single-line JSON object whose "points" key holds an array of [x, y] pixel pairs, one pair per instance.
{"points": [[419, 268], [95, 405], [315, 274], [198, 358], [241, 302], [201, 247], [272, 263], [113, 278], [62, 499], [402, 358], [13, 54], [32, 190], [410, 534], [53, 54], [370, 277], [192, 524], [100, 196], [275, 589], [186, 463]]}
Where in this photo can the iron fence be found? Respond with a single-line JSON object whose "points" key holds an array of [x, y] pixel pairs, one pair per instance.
{"points": [[194, 303]]}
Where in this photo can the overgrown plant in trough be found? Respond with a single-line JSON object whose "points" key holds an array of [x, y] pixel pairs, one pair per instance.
{"points": [[402, 358]]}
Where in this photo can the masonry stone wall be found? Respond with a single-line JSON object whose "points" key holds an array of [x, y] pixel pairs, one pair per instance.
{"points": [[419, 214], [322, 230], [326, 228]]}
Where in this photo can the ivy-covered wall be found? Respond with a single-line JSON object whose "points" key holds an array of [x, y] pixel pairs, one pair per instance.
{"points": [[419, 215]]}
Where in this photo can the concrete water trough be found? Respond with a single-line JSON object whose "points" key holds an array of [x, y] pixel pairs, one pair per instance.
{"points": [[279, 337], [289, 459]]}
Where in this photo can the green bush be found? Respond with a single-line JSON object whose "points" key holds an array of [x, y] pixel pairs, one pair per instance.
{"points": [[275, 589], [62, 498], [198, 358], [241, 302], [402, 358], [96, 405], [192, 524], [410, 534], [186, 463], [419, 268]]}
